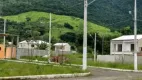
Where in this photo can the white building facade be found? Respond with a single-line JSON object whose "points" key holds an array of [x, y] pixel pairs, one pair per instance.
{"points": [[62, 48], [30, 44], [125, 45]]}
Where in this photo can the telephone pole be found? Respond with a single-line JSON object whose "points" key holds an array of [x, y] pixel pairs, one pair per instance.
{"points": [[135, 36], [85, 37], [49, 49], [95, 52], [4, 36]]}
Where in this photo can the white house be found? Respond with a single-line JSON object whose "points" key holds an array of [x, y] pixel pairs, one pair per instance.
{"points": [[125, 44], [62, 48], [30, 44]]}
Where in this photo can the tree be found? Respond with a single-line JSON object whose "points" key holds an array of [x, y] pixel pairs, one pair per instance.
{"points": [[42, 46], [68, 37], [126, 30], [67, 25]]}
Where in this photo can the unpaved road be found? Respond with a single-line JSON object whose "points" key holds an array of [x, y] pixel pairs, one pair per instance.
{"points": [[102, 74]]}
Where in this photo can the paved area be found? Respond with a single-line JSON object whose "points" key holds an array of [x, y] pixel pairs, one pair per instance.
{"points": [[102, 74]]}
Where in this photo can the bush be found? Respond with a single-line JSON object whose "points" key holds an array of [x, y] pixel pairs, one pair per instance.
{"points": [[67, 25]]}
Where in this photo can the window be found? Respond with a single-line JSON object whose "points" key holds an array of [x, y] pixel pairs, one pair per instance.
{"points": [[32, 45], [141, 48], [132, 47], [119, 47]]}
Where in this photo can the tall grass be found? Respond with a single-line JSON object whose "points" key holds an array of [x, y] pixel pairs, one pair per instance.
{"points": [[21, 69]]}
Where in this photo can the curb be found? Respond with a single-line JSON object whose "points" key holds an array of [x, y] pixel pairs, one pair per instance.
{"points": [[116, 69], [51, 76], [113, 69]]}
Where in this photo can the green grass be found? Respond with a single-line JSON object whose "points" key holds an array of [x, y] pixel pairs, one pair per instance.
{"points": [[77, 59], [58, 22], [22, 69], [39, 58]]}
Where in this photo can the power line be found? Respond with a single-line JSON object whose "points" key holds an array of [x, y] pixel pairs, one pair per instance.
{"points": [[75, 5], [91, 2], [118, 22]]}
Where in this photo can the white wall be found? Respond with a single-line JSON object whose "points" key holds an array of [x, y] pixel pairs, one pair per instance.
{"points": [[126, 47], [24, 45], [118, 58]]}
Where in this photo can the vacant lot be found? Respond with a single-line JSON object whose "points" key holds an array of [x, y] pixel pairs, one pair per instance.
{"points": [[20, 69]]}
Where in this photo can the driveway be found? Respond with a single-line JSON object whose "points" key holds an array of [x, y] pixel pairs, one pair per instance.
{"points": [[103, 74]]}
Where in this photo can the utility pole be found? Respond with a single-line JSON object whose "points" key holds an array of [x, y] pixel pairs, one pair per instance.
{"points": [[135, 36], [49, 50], [102, 45], [95, 53], [17, 56], [4, 36], [85, 37]]}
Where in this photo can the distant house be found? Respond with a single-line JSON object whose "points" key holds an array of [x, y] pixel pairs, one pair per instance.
{"points": [[30, 44], [62, 48], [125, 44]]}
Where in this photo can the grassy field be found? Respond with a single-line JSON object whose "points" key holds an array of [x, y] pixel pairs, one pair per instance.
{"points": [[58, 22], [77, 59], [21, 69]]}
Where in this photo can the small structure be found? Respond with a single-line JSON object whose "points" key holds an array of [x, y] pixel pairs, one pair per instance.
{"points": [[125, 44], [30, 44], [2, 51], [62, 48], [8, 52]]}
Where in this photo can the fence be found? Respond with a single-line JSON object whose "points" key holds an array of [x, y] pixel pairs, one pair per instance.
{"points": [[119, 58], [30, 52]]}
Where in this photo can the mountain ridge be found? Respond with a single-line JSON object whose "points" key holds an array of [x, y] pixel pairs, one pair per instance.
{"points": [[109, 13]]}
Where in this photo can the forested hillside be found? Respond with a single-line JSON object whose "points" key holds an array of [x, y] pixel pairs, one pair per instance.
{"points": [[110, 13], [34, 25]]}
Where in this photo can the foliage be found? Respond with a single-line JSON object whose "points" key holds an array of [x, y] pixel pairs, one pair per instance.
{"points": [[67, 25], [126, 31], [42, 46], [22, 69], [69, 37], [39, 58], [110, 13], [35, 25]]}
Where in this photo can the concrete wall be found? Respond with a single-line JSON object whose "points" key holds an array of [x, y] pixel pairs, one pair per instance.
{"points": [[10, 52], [118, 58], [30, 52], [2, 53]]}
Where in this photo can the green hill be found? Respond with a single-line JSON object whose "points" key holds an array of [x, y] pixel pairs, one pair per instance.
{"points": [[58, 23], [109, 13]]}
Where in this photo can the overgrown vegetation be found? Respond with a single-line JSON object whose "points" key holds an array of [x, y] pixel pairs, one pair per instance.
{"points": [[77, 59], [22, 69], [35, 25], [111, 13]]}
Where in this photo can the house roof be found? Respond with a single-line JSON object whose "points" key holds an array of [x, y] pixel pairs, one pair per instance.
{"points": [[128, 37], [61, 44], [34, 42]]}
